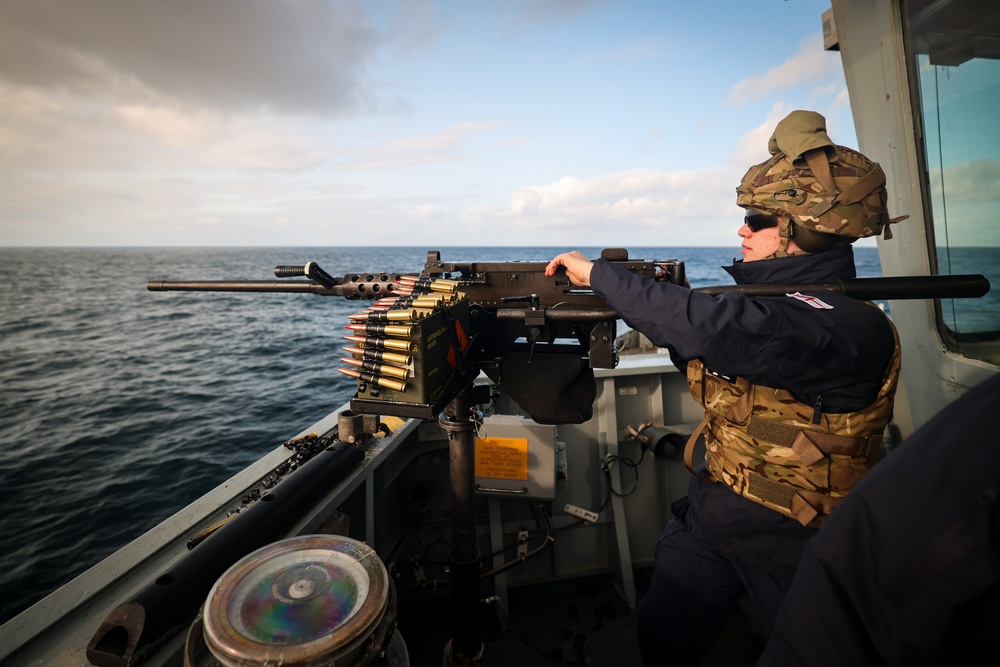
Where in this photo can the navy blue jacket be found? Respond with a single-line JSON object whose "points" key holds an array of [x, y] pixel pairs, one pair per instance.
{"points": [[839, 354]]}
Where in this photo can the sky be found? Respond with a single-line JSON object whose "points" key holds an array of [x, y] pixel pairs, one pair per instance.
{"points": [[576, 123]]}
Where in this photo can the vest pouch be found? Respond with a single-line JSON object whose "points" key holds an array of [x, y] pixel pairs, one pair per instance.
{"points": [[733, 401]]}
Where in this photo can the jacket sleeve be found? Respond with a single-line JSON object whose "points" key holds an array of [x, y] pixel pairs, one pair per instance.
{"points": [[839, 353], [720, 330]]}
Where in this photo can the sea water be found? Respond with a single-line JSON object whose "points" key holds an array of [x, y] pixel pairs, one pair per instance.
{"points": [[119, 406]]}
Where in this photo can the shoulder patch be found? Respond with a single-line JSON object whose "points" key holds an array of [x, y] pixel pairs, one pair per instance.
{"points": [[813, 301]]}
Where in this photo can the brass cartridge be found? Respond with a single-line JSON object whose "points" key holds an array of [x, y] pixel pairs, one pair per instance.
{"points": [[383, 343], [383, 315], [377, 380], [372, 366], [381, 355], [380, 329]]}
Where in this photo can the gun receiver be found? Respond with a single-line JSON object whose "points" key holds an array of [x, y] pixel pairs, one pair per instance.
{"points": [[512, 322]]}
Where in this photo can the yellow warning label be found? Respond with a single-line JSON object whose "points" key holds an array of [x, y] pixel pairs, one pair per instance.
{"points": [[502, 458]]}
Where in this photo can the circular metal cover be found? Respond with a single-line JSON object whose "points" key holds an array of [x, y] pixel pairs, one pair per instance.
{"points": [[307, 600]]}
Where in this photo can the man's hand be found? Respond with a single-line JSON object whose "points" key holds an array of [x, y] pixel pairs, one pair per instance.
{"points": [[577, 265]]}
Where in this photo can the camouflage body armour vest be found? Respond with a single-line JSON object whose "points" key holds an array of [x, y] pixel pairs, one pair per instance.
{"points": [[784, 454]]}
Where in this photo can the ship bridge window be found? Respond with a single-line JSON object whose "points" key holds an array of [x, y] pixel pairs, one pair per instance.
{"points": [[955, 61]]}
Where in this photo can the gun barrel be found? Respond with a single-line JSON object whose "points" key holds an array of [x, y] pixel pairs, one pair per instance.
{"points": [[558, 314], [896, 287], [241, 286]]}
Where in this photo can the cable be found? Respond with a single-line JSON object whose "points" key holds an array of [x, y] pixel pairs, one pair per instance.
{"points": [[435, 584], [549, 539], [606, 465], [610, 460]]}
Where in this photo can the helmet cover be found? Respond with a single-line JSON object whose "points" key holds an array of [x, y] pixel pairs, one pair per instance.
{"points": [[831, 195]]}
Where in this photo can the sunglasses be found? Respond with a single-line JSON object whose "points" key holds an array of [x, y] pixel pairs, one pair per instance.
{"points": [[757, 221]]}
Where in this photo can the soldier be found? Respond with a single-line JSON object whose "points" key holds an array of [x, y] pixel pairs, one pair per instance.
{"points": [[796, 389]]}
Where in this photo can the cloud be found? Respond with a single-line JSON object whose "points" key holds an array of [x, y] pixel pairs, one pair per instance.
{"points": [[417, 27], [638, 207], [842, 100], [531, 12], [446, 146], [212, 123], [752, 147], [61, 132], [283, 55], [810, 64], [170, 127], [978, 180], [971, 191], [178, 210]]}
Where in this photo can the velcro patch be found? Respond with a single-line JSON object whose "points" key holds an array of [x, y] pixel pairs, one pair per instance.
{"points": [[813, 301]]}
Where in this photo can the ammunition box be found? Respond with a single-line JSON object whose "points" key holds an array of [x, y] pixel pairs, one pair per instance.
{"points": [[435, 363]]}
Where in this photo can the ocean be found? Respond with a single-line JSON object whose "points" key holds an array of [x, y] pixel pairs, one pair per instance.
{"points": [[119, 406]]}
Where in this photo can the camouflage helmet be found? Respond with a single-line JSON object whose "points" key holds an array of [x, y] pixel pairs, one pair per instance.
{"points": [[827, 195]]}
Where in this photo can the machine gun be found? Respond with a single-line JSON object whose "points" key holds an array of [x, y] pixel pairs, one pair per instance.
{"points": [[509, 320], [506, 319]]}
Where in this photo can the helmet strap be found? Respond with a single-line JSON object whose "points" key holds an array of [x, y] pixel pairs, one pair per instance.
{"points": [[819, 165], [784, 235]]}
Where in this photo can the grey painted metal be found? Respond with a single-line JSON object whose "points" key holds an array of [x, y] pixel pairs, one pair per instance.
{"points": [[872, 51], [541, 470], [57, 630], [496, 544], [607, 418]]}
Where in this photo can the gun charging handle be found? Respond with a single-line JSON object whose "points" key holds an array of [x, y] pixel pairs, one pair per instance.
{"points": [[310, 270], [673, 272], [532, 300]]}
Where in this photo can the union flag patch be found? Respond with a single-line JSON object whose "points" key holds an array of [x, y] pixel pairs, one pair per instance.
{"points": [[813, 301]]}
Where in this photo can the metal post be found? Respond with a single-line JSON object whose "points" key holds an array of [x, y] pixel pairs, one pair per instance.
{"points": [[460, 420]]}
